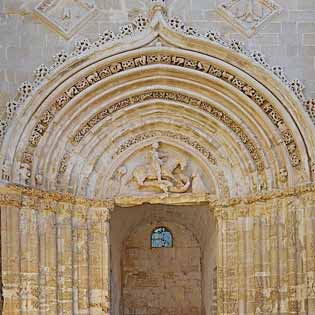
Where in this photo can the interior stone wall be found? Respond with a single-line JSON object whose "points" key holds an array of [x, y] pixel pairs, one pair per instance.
{"points": [[161, 280], [195, 218]]}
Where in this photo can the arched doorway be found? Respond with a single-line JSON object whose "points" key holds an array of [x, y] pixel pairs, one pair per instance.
{"points": [[176, 278], [159, 115]]}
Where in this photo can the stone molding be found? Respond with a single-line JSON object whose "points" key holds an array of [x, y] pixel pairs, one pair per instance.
{"points": [[117, 67], [14, 195], [169, 134], [138, 28]]}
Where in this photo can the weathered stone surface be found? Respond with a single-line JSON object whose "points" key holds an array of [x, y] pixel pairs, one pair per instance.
{"points": [[156, 123]]}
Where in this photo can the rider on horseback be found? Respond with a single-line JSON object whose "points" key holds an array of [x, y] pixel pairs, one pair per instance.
{"points": [[157, 160]]}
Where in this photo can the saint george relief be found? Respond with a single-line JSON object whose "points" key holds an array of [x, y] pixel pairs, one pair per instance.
{"points": [[159, 168]]}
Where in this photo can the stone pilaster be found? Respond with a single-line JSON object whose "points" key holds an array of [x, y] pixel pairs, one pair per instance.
{"points": [[47, 280], [99, 260], [80, 260], [28, 246], [10, 257], [64, 258]]}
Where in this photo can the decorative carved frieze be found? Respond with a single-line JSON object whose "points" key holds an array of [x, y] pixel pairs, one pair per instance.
{"points": [[12, 195], [248, 15], [66, 17], [18, 196]]}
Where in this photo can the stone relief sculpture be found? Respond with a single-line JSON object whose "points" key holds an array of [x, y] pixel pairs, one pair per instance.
{"points": [[25, 173], [162, 172], [66, 18], [198, 186], [160, 169], [248, 15], [6, 171]]}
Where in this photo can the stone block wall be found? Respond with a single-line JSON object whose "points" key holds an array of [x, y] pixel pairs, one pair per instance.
{"points": [[162, 280]]}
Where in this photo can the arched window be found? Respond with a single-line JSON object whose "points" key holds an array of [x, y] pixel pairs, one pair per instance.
{"points": [[161, 237]]}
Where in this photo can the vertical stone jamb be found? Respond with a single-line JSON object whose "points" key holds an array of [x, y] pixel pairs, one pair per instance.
{"points": [[80, 260], [310, 252], [218, 212], [99, 260], [227, 264], [10, 275], [64, 258], [28, 290], [47, 279]]}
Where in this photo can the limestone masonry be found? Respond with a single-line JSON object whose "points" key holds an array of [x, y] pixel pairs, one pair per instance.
{"points": [[157, 157]]}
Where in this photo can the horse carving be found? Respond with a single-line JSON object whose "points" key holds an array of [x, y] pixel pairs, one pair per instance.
{"points": [[146, 176]]}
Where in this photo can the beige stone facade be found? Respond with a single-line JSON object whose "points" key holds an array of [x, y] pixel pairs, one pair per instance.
{"points": [[157, 124]]}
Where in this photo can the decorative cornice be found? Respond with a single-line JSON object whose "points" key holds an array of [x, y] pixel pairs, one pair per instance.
{"points": [[263, 197], [127, 32], [13, 195]]}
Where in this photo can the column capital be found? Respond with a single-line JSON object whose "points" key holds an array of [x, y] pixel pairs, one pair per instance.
{"points": [[100, 214]]}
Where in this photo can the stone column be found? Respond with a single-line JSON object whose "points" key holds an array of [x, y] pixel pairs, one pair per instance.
{"points": [[28, 246], [291, 245], [64, 258], [10, 256], [80, 260], [99, 260], [47, 279], [310, 252], [274, 254], [242, 265]]}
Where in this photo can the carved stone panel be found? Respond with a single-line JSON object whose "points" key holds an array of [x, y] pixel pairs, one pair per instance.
{"points": [[248, 15], [67, 16], [159, 168]]}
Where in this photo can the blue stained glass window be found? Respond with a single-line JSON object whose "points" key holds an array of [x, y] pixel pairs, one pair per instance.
{"points": [[161, 237]]}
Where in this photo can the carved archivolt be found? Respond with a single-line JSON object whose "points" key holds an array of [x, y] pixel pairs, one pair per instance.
{"points": [[128, 32], [169, 134], [179, 61], [147, 136], [151, 51]]}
